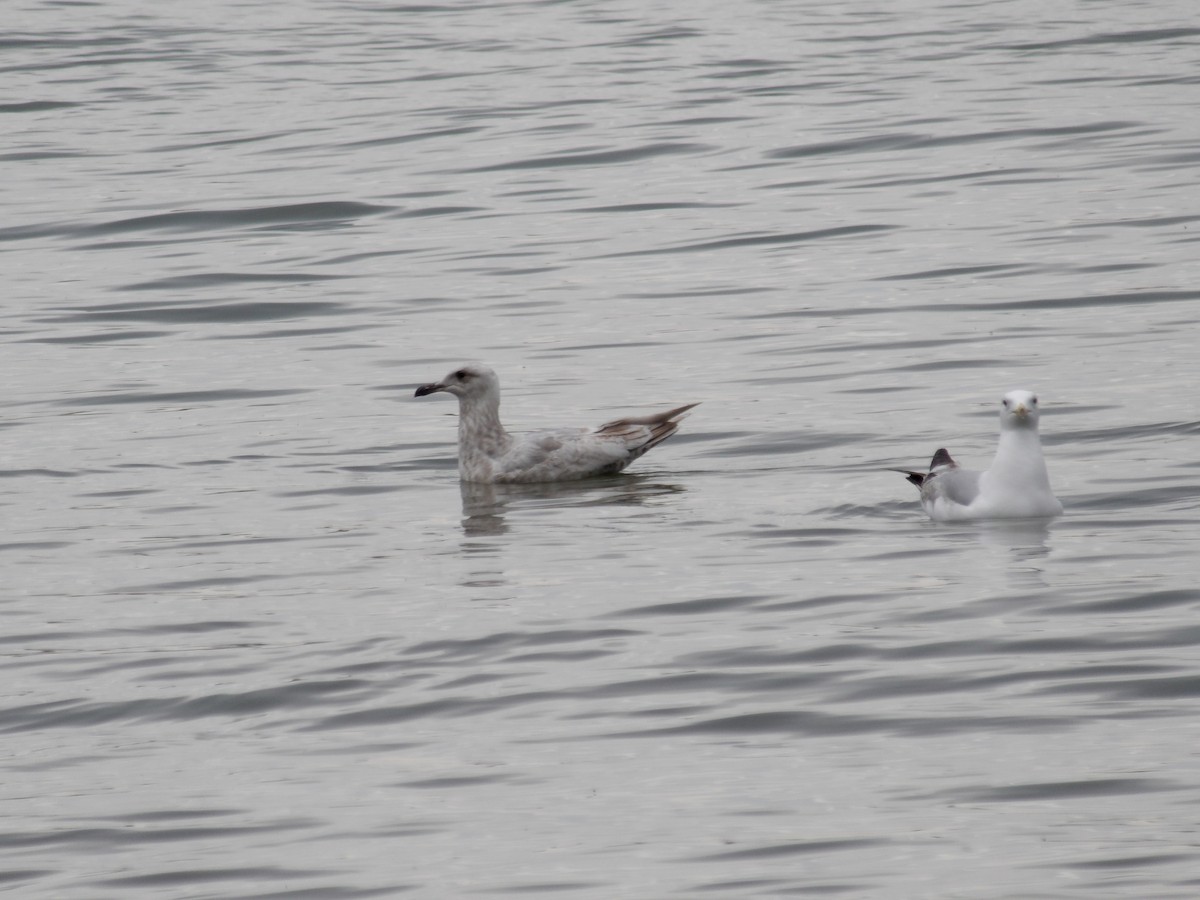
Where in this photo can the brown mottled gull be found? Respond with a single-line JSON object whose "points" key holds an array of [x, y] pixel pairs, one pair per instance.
{"points": [[1016, 485], [487, 453]]}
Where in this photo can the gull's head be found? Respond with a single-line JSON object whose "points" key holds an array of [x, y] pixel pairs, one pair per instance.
{"points": [[466, 382], [1019, 410]]}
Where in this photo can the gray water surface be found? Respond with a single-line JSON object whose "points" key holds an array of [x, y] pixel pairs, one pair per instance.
{"points": [[257, 641]]}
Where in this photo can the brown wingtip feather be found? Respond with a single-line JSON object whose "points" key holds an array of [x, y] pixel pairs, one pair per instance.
{"points": [[671, 415], [662, 426]]}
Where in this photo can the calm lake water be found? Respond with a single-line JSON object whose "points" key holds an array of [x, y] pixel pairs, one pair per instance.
{"points": [[256, 640]]}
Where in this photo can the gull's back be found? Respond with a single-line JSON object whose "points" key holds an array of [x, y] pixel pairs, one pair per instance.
{"points": [[569, 454]]}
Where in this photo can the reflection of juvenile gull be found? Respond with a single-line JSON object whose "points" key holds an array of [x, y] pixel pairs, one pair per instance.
{"points": [[1016, 485], [488, 453]]}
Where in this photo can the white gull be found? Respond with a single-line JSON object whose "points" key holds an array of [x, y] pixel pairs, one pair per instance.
{"points": [[1015, 486], [489, 454]]}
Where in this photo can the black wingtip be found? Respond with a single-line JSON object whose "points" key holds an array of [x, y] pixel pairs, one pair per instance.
{"points": [[917, 478], [941, 458]]}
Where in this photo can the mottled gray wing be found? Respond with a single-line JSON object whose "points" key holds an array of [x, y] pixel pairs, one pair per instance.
{"points": [[957, 485]]}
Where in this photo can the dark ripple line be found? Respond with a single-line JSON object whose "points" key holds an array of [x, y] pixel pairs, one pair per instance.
{"points": [[1054, 790], [24, 874], [813, 724], [1138, 499], [1109, 37], [1141, 602], [59, 43], [194, 583], [742, 884], [1078, 302], [201, 876], [688, 607], [198, 220], [186, 397], [457, 781], [1178, 688], [168, 815], [690, 682], [911, 141], [292, 333], [951, 364], [450, 707], [840, 348], [97, 338], [547, 887], [202, 220], [1152, 222], [217, 142], [1123, 640], [874, 689], [597, 158], [414, 136], [429, 211], [52, 473], [1176, 636], [185, 628], [216, 313], [1127, 862], [793, 849], [649, 207], [698, 292], [219, 279], [355, 490], [951, 272], [795, 237], [80, 714], [974, 175], [659, 36], [477, 648], [36, 105], [1124, 433], [113, 838], [329, 893]]}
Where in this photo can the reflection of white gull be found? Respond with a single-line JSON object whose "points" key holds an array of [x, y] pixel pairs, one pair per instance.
{"points": [[488, 453], [1015, 486]]}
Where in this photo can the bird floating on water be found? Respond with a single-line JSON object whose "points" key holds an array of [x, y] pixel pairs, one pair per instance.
{"points": [[1016, 485], [489, 454]]}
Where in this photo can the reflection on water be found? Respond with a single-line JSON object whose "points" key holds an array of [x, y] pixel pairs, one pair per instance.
{"points": [[1025, 539], [1024, 544], [485, 507]]}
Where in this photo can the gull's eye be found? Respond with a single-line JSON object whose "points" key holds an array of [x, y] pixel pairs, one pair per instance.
{"points": [[1033, 401], [1006, 403], [462, 374]]}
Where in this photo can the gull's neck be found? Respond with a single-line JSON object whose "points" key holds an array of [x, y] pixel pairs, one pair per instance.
{"points": [[1019, 458], [481, 437]]}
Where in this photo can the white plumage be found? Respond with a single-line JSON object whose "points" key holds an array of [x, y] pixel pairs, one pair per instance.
{"points": [[489, 454], [1016, 485]]}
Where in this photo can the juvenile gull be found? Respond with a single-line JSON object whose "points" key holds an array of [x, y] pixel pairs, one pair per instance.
{"points": [[487, 453], [1015, 486]]}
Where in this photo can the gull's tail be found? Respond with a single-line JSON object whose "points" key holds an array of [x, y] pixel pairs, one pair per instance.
{"points": [[642, 433]]}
